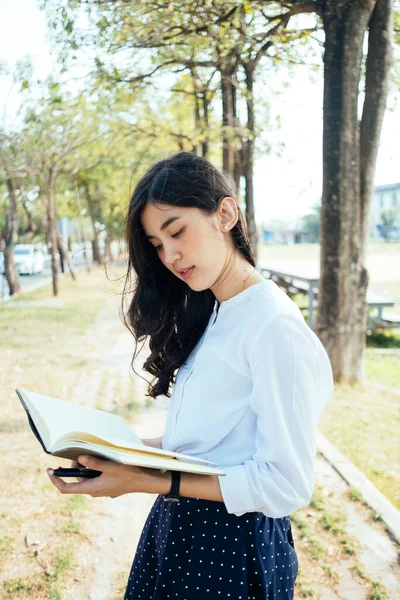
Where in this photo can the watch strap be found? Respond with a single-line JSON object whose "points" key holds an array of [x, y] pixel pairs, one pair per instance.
{"points": [[173, 494]]}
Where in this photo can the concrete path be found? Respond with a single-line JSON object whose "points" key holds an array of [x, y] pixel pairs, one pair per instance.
{"points": [[379, 554]]}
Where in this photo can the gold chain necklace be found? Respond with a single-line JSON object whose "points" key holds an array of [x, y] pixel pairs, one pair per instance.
{"points": [[246, 280]]}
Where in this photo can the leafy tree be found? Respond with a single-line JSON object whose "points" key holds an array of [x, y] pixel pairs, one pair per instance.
{"points": [[233, 38], [55, 128], [226, 41]]}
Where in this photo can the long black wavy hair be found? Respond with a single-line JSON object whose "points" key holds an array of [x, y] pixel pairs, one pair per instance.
{"points": [[161, 306]]}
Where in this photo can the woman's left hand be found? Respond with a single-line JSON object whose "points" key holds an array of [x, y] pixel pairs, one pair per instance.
{"points": [[116, 479]]}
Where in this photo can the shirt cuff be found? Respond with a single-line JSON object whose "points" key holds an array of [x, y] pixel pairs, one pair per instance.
{"points": [[235, 491], [244, 490]]}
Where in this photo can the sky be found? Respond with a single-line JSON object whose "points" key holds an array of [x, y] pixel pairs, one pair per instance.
{"points": [[286, 186]]}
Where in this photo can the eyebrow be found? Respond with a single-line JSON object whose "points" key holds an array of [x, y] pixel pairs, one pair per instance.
{"points": [[164, 226]]}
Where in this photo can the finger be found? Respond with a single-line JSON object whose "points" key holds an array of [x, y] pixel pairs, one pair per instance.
{"points": [[92, 462], [76, 465], [84, 487]]}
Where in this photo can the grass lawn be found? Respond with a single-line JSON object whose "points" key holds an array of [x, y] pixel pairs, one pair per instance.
{"points": [[383, 368], [363, 422], [39, 336]]}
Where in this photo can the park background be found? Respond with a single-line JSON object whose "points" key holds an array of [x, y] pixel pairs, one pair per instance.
{"points": [[102, 132]]}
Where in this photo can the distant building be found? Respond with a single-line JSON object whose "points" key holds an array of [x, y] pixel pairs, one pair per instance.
{"points": [[384, 218], [280, 231], [268, 236]]}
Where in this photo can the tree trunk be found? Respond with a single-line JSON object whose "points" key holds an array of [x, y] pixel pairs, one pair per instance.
{"points": [[237, 142], [61, 255], [205, 144], [64, 258], [107, 248], [9, 235], [94, 216], [70, 265], [228, 112], [197, 116], [81, 227], [52, 231], [378, 65], [341, 318], [249, 158], [84, 242], [30, 232]]}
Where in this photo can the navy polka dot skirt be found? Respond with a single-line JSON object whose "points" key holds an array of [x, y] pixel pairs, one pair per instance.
{"points": [[195, 550]]}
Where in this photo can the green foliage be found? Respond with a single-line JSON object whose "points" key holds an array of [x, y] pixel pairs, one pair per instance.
{"points": [[12, 587], [383, 339], [396, 22], [89, 148], [378, 592], [4, 545], [76, 502], [317, 500], [62, 561], [355, 495], [131, 43]]}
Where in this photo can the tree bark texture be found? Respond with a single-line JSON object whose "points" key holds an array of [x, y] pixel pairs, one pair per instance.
{"points": [[30, 231], [9, 235], [249, 158], [81, 227], [342, 309], [65, 259], [206, 142], [94, 212], [379, 61], [228, 92], [61, 255], [200, 114], [52, 229]]}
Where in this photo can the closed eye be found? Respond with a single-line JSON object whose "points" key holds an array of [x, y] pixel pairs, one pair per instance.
{"points": [[177, 234]]}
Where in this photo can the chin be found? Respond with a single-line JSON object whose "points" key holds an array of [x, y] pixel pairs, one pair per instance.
{"points": [[198, 287], [195, 286]]}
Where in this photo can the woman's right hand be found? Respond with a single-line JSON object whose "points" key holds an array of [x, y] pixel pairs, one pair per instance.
{"points": [[76, 465]]}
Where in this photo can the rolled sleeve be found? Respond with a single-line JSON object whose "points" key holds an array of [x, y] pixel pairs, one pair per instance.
{"points": [[292, 382]]}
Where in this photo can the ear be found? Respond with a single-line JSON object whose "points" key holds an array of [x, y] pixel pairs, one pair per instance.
{"points": [[228, 213]]}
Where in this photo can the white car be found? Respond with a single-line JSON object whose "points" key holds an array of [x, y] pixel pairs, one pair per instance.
{"points": [[28, 258]]}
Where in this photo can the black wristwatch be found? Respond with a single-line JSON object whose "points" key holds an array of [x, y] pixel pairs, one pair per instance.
{"points": [[173, 495]]}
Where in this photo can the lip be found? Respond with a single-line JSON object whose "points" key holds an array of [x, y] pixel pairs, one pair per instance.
{"points": [[187, 274]]}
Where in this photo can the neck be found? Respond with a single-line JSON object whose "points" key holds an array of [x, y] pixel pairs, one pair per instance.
{"points": [[244, 276]]}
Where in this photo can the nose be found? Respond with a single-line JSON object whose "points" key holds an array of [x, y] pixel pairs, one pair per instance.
{"points": [[171, 254]]}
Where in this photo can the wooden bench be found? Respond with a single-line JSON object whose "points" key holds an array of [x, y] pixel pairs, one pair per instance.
{"points": [[307, 283]]}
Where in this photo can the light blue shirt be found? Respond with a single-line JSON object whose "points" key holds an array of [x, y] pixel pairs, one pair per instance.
{"points": [[249, 398]]}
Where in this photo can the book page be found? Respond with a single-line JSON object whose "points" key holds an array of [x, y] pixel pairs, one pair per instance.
{"points": [[117, 445], [62, 419], [127, 457]]}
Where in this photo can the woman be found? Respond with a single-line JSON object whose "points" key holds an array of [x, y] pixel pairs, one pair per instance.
{"points": [[251, 384]]}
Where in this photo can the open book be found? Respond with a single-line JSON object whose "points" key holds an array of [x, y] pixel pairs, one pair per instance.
{"points": [[67, 430]]}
